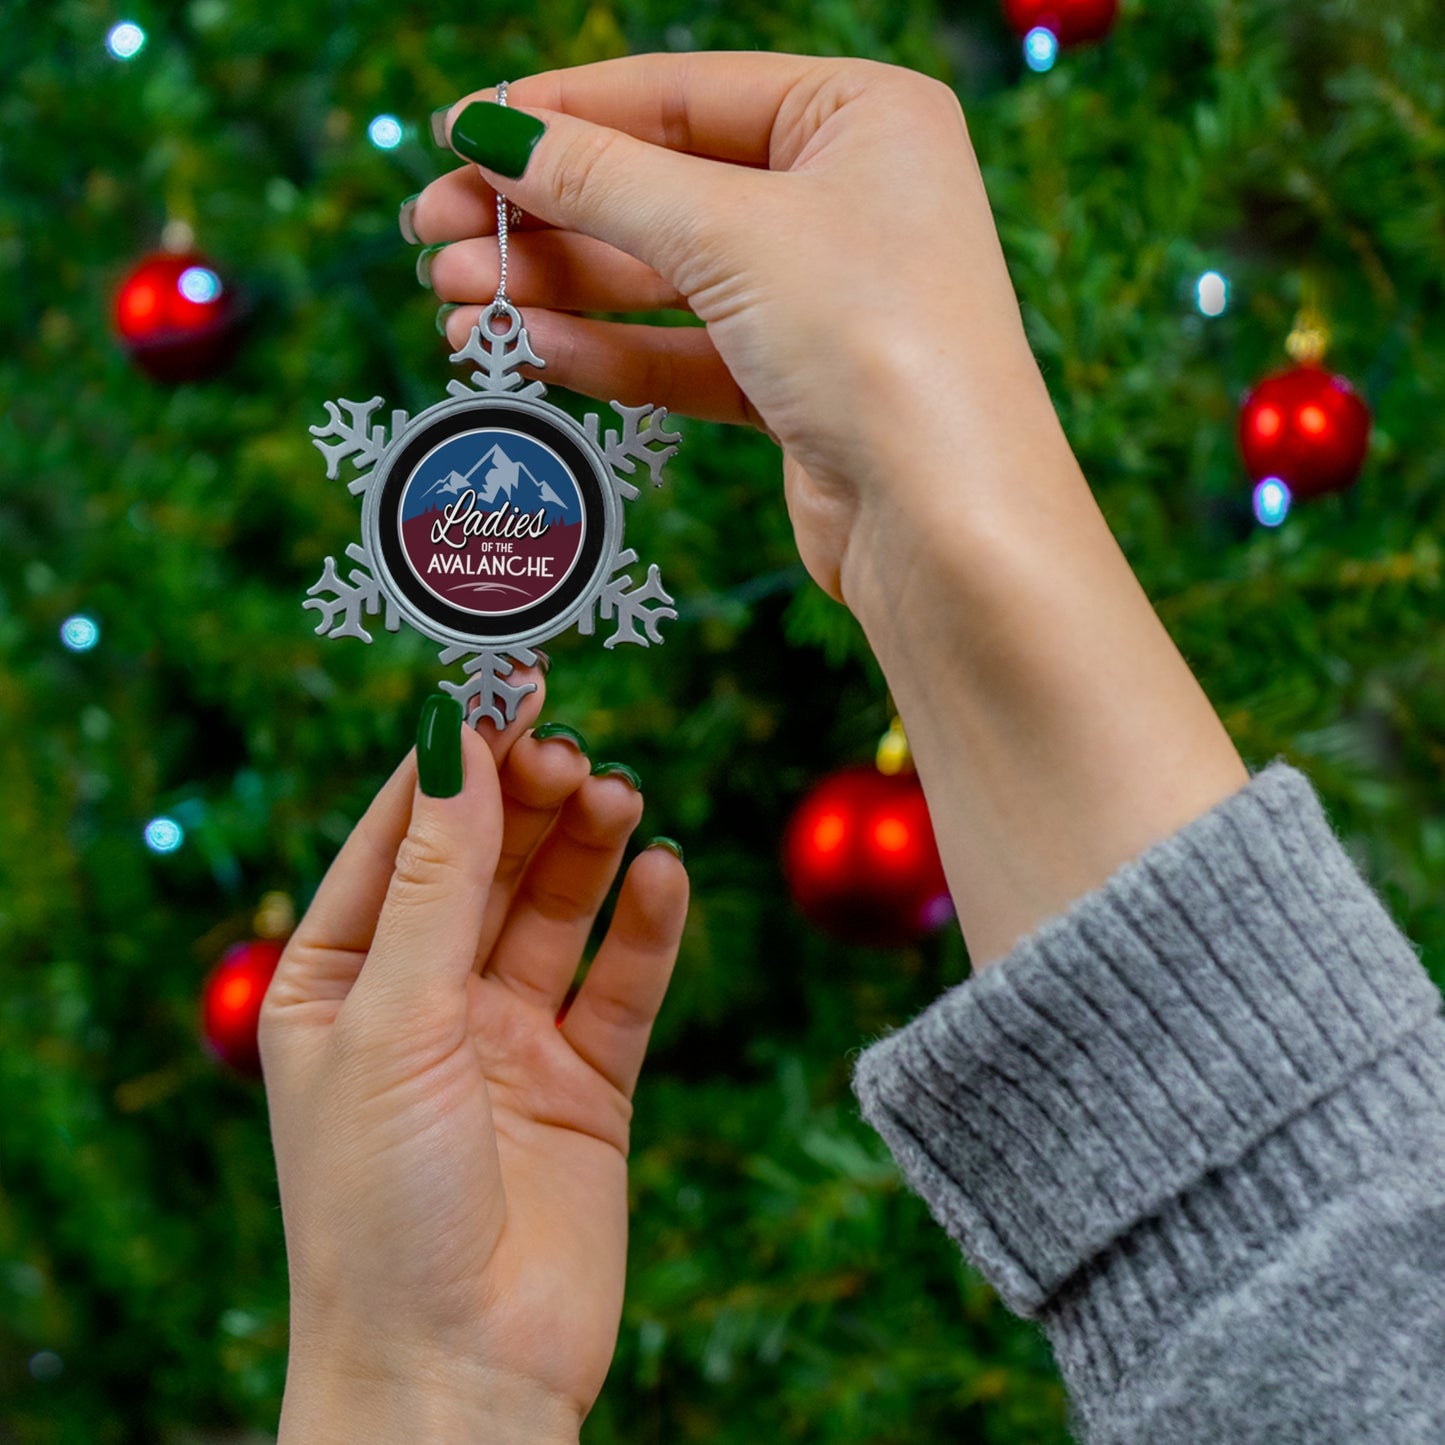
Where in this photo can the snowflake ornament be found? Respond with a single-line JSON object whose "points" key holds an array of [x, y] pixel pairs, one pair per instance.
{"points": [[492, 521]]}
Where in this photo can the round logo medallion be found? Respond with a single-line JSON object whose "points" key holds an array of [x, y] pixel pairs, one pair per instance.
{"points": [[492, 521]]}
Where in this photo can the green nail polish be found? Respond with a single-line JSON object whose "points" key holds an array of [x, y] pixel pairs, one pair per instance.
{"points": [[439, 125], [404, 220], [617, 770], [423, 263], [439, 747], [561, 730], [671, 844], [496, 136], [443, 312]]}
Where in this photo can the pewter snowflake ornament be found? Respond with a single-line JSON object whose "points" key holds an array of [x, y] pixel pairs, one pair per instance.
{"points": [[492, 521]]}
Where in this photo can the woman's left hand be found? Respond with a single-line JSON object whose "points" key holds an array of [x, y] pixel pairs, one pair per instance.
{"points": [[452, 1156]]}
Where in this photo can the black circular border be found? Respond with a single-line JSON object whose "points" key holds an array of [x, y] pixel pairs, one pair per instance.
{"points": [[589, 485]]}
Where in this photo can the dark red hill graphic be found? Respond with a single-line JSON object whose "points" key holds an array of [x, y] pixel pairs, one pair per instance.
{"points": [[485, 577]]}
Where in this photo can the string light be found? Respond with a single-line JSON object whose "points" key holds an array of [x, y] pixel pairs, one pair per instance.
{"points": [[80, 633], [1271, 502], [164, 835], [126, 40], [385, 132], [1211, 294], [199, 284], [1041, 48]]}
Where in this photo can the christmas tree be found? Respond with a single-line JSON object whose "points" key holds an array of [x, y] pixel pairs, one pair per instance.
{"points": [[178, 744]]}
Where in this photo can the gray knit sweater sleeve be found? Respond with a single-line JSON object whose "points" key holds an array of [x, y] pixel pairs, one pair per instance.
{"points": [[1195, 1126]]}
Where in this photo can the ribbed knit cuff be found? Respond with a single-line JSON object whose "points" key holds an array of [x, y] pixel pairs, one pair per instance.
{"points": [[1224, 982]]}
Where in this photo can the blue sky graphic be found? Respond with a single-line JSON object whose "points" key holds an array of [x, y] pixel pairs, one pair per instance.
{"points": [[500, 466]]}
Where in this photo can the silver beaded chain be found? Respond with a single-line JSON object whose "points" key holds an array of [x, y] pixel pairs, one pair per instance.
{"points": [[501, 301]]}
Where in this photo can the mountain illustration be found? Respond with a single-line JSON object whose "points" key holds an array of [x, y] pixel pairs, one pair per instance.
{"points": [[497, 477]]}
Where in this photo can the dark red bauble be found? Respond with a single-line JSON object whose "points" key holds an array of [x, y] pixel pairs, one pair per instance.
{"points": [[176, 317], [231, 1003], [1307, 427], [1073, 22], [861, 861]]}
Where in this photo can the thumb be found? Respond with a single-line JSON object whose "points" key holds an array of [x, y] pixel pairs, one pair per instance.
{"points": [[425, 942], [653, 203]]}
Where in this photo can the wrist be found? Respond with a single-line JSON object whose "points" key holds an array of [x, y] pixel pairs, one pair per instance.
{"points": [[343, 1397]]}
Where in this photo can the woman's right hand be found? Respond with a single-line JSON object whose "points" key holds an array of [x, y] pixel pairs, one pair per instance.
{"points": [[825, 218]]}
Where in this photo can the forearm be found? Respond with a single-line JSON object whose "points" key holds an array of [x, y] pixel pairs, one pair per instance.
{"points": [[1057, 730]]}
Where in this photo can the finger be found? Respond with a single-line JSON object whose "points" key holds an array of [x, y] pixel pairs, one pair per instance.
{"points": [[461, 204], [725, 105], [673, 366], [539, 776], [421, 954], [557, 269], [611, 1019], [559, 897]]}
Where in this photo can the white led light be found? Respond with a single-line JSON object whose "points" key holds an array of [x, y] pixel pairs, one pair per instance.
{"points": [[199, 284], [1041, 48], [79, 633], [1271, 502], [164, 835], [126, 40], [1211, 293], [385, 132]]}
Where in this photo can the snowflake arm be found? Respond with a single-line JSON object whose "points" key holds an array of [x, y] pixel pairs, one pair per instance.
{"points": [[341, 613], [486, 693], [498, 356], [631, 606], [643, 438], [359, 440]]}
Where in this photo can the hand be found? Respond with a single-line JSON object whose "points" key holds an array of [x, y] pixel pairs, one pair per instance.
{"points": [[452, 1159], [826, 219]]}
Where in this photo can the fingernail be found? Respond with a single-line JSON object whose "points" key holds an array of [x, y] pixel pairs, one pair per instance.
{"points": [[439, 747], [496, 136], [423, 263], [671, 844], [617, 770], [404, 219], [561, 730], [543, 661], [443, 312], [439, 125]]}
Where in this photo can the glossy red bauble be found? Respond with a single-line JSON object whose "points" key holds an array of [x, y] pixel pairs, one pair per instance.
{"points": [[231, 1003], [861, 860], [1307, 427], [1073, 22], [176, 317]]}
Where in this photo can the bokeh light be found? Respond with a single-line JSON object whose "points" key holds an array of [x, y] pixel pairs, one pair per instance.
{"points": [[199, 284], [385, 132], [164, 835], [1271, 502], [126, 40], [1041, 48], [80, 633], [1211, 294]]}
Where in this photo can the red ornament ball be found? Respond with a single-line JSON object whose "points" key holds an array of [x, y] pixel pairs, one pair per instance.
{"points": [[1307, 427], [1073, 22], [176, 317], [861, 860], [231, 1003]]}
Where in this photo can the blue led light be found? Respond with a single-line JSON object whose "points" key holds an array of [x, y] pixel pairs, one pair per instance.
{"points": [[385, 132], [164, 835], [199, 284], [80, 633], [1211, 294], [1271, 502], [126, 40], [1041, 48]]}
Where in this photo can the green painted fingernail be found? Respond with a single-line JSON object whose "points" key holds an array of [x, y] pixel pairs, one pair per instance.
{"points": [[439, 747], [404, 219], [617, 770], [496, 136], [443, 312], [439, 125], [671, 844], [561, 730], [423, 263]]}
